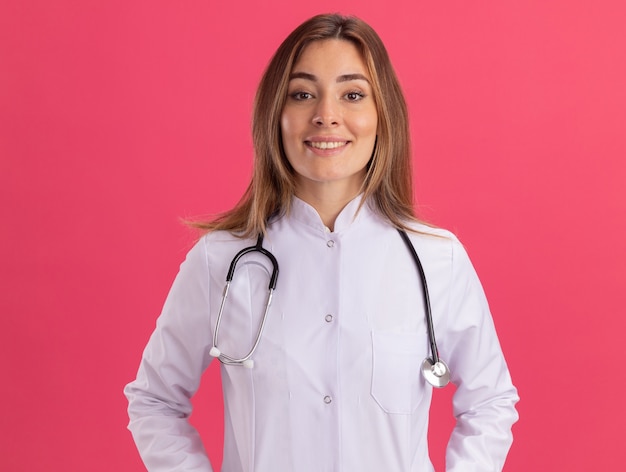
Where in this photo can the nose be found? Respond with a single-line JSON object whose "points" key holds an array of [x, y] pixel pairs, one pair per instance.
{"points": [[326, 112]]}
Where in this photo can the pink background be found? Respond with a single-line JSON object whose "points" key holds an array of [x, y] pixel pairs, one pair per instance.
{"points": [[117, 118]]}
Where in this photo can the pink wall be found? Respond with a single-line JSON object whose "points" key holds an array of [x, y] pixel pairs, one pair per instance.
{"points": [[119, 117]]}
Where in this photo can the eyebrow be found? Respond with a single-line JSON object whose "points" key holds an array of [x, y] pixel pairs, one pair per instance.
{"points": [[341, 78]]}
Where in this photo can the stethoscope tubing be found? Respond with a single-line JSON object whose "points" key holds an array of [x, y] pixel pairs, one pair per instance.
{"points": [[245, 360], [434, 370], [426, 297]]}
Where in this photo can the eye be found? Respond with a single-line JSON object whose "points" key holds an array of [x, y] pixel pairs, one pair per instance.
{"points": [[354, 96], [300, 96]]}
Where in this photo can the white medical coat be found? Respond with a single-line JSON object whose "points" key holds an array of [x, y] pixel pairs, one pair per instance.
{"points": [[336, 383]]}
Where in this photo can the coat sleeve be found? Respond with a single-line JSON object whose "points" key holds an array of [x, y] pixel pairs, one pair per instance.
{"points": [[484, 401], [169, 374]]}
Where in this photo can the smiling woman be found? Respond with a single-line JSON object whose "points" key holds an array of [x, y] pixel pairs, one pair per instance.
{"points": [[329, 125], [338, 343], [387, 183]]}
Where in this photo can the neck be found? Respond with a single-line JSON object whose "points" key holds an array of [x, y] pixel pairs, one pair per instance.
{"points": [[327, 203]]}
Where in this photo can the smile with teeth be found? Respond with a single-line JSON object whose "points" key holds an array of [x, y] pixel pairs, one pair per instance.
{"points": [[326, 144]]}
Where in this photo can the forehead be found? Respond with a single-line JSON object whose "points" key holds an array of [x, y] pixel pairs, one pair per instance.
{"points": [[331, 55]]}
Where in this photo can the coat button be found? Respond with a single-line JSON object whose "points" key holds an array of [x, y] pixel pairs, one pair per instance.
{"points": [[328, 318], [327, 399], [330, 243]]}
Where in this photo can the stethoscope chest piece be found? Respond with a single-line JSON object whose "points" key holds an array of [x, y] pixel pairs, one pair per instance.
{"points": [[436, 373]]}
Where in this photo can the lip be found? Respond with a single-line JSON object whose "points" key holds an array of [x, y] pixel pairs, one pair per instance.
{"points": [[326, 139]]}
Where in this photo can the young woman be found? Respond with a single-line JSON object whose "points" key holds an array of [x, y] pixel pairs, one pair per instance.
{"points": [[334, 380]]}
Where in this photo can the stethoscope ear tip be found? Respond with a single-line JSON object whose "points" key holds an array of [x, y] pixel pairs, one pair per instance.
{"points": [[248, 363], [215, 352]]}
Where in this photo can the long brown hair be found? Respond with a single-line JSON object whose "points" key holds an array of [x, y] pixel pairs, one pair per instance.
{"points": [[388, 183]]}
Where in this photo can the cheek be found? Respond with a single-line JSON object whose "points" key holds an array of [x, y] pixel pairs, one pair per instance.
{"points": [[289, 124], [286, 131], [365, 124], [284, 124]]}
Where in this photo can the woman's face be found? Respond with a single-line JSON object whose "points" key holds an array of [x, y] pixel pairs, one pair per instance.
{"points": [[329, 120]]}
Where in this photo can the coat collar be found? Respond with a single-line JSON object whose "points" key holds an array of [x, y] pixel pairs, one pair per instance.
{"points": [[305, 214]]}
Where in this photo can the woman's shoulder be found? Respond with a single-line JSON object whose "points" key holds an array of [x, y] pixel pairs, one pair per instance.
{"points": [[219, 236], [219, 241], [438, 243], [214, 250], [419, 229]]}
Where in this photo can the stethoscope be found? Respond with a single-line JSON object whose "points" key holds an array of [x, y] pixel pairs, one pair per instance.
{"points": [[434, 369]]}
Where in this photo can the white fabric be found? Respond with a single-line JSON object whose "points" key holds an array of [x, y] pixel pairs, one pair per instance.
{"points": [[336, 383]]}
